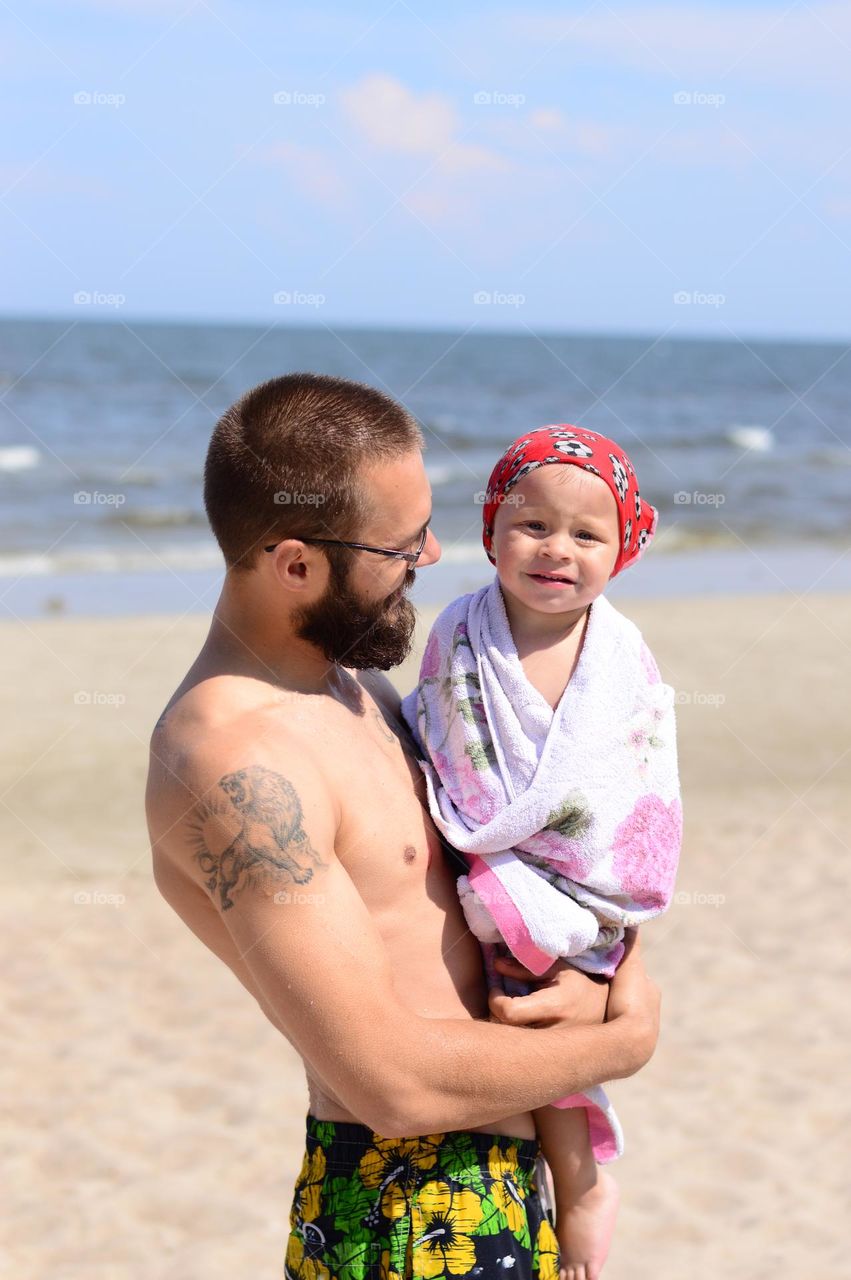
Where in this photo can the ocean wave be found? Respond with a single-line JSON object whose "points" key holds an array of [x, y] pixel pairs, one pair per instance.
{"points": [[119, 477], [755, 438], [102, 559], [450, 432], [19, 457], [154, 517]]}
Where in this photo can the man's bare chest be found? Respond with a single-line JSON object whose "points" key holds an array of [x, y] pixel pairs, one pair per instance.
{"points": [[387, 840]]}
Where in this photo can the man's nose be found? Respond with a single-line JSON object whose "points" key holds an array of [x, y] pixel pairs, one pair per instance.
{"points": [[431, 551]]}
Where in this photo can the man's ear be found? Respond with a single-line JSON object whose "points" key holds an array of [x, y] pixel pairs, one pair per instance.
{"points": [[297, 567]]}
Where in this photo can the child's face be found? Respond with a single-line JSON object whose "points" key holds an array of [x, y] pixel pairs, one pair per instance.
{"points": [[556, 538]]}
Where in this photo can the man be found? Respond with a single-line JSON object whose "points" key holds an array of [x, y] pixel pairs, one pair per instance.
{"points": [[290, 831]]}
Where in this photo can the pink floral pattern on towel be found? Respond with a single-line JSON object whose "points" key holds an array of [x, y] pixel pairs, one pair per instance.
{"points": [[463, 783], [646, 848]]}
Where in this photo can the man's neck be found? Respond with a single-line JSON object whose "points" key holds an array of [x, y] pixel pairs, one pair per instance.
{"points": [[247, 638]]}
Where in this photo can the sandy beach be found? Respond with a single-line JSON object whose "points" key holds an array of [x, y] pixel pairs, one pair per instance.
{"points": [[154, 1118]]}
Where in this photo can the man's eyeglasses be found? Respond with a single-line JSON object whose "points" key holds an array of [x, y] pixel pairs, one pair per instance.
{"points": [[410, 556]]}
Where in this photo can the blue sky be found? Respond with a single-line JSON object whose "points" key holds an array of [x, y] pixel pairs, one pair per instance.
{"points": [[637, 168]]}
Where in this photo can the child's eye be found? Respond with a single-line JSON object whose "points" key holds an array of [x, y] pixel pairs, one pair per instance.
{"points": [[583, 533], [533, 524]]}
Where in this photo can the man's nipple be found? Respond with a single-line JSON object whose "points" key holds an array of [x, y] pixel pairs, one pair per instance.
{"points": [[410, 853]]}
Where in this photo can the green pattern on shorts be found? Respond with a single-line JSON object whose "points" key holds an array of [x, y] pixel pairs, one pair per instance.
{"points": [[446, 1205]]}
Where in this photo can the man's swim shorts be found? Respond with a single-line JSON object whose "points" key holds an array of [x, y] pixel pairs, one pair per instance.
{"points": [[449, 1205]]}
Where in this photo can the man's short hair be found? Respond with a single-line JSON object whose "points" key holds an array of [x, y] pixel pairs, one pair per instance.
{"points": [[285, 461]]}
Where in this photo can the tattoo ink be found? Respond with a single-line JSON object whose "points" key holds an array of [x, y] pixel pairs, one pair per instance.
{"points": [[384, 729], [271, 846]]}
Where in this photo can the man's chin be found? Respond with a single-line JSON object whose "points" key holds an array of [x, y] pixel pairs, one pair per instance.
{"points": [[358, 634], [362, 642], [391, 640]]}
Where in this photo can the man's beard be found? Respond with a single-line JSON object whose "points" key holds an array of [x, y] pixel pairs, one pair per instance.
{"points": [[355, 633]]}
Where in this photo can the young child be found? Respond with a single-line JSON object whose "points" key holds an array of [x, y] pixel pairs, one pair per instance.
{"points": [[550, 760]]}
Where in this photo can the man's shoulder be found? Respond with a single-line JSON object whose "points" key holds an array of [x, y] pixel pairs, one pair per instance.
{"points": [[220, 726], [213, 704], [225, 761]]}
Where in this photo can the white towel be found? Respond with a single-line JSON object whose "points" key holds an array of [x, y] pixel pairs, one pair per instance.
{"points": [[570, 820]]}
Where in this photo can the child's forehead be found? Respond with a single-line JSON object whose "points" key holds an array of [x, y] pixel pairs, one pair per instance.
{"points": [[566, 485]]}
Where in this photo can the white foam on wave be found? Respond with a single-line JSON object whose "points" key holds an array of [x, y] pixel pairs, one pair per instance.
{"points": [[205, 555], [755, 438], [19, 457]]}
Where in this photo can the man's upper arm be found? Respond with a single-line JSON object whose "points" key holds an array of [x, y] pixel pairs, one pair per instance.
{"points": [[260, 840]]}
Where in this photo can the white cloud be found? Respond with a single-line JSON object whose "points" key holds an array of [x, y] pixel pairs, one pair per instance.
{"points": [[547, 120], [804, 44], [464, 157], [311, 170], [435, 206], [581, 135], [393, 118]]}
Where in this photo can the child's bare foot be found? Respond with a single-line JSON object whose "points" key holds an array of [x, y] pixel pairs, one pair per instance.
{"points": [[585, 1228]]}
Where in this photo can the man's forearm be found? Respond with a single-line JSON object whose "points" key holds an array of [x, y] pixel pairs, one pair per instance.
{"points": [[458, 1075]]}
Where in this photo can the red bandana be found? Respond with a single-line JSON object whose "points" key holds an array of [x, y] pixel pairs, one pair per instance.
{"points": [[592, 452]]}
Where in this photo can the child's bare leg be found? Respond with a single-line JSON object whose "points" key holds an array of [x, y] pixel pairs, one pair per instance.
{"points": [[586, 1198]]}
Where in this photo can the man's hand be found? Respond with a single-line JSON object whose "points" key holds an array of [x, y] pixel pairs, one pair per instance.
{"points": [[564, 997]]}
